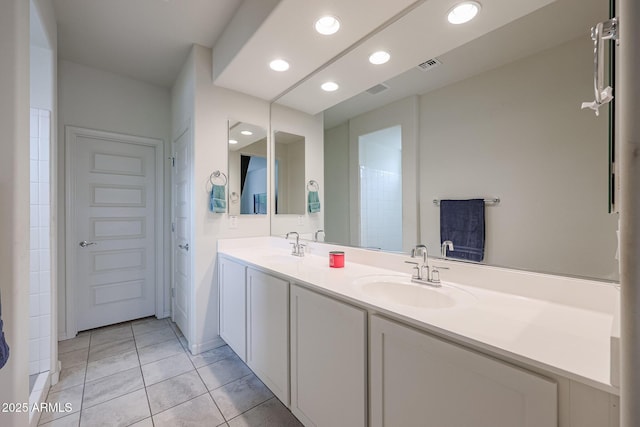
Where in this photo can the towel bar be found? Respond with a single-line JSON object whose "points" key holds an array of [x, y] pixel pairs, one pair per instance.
{"points": [[493, 201]]}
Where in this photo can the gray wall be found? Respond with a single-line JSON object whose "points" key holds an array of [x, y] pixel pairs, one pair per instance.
{"points": [[336, 172]]}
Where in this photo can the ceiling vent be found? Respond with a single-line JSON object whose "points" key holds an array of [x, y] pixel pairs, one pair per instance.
{"points": [[377, 89], [429, 64]]}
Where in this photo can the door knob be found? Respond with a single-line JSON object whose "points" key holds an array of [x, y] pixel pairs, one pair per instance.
{"points": [[185, 246], [84, 244]]}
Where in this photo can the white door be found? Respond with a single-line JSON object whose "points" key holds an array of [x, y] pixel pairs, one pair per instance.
{"points": [[181, 232], [111, 229]]}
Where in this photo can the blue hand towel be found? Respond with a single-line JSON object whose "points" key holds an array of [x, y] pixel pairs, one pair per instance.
{"points": [[217, 199], [314, 202], [260, 203], [462, 222], [4, 347]]}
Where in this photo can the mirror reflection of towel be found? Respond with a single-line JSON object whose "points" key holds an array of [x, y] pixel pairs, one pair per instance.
{"points": [[314, 202], [462, 222], [260, 203], [4, 347]]}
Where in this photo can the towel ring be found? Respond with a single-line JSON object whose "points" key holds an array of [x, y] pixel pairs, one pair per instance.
{"points": [[218, 174], [313, 185], [233, 197]]}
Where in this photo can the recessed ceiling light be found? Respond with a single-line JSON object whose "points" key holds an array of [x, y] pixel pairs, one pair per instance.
{"points": [[379, 57], [279, 65], [246, 132], [233, 141], [463, 12], [329, 86], [327, 25]]}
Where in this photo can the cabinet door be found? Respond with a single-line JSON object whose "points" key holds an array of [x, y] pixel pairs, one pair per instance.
{"points": [[268, 331], [328, 361], [232, 294], [419, 380]]}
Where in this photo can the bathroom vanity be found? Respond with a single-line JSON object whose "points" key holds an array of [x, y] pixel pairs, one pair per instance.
{"points": [[363, 346]]}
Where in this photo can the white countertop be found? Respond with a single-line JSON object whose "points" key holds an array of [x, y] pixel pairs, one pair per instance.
{"points": [[570, 341]]}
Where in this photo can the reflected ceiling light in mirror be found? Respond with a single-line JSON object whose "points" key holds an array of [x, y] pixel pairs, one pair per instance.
{"points": [[279, 65], [327, 25], [463, 12], [246, 132], [233, 141], [379, 57], [329, 86]]}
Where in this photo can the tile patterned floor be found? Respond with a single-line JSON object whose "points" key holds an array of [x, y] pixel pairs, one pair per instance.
{"points": [[140, 374]]}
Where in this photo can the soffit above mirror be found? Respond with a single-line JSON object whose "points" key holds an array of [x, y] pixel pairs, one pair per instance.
{"points": [[259, 34]]}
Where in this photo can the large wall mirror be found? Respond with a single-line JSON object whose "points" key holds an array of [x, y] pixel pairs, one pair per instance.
{"points": [[497, 118], [247, 169], [289, 173]]}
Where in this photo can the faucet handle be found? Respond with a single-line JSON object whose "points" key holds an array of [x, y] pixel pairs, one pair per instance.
{"points": [[416, 268], [435, 275]]}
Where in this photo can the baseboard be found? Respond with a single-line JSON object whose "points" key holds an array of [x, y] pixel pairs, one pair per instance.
{"points": [[205, 346]]}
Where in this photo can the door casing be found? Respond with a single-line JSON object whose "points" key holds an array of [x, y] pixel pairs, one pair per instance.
{"points": [[71, 135]]}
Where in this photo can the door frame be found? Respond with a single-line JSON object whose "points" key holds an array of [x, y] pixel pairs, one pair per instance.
{"points": [[186, 127], [71, 135]]}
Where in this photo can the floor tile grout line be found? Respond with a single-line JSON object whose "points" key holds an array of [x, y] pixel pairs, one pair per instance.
{"points": [[144, 384], [232, 381], [244, 412], [163, 358], [114, 398], [220, 360], [169, 378], [209, 392], [181, 403], [156, 343]]}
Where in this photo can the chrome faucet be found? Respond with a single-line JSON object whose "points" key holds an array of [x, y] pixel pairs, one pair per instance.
{"points": [[423, 274], [315, 236], [446, 245], [297, 249]]}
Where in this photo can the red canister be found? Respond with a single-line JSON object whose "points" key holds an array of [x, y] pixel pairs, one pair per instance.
{"points": [[336, 259]]}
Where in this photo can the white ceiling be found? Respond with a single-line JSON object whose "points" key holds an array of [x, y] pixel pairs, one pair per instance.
{"points": [[147, 40]]}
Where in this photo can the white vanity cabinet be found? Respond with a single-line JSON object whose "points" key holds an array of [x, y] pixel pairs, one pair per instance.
{"points": [[268, 331], [420, 380], [328, 361], [232, 297]]}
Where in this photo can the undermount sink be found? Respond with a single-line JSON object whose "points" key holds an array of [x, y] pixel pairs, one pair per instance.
{"points": [[400, 290]]}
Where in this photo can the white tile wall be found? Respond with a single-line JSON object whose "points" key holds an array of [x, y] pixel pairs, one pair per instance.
{"points": [[40, 238], [381, 209]]}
